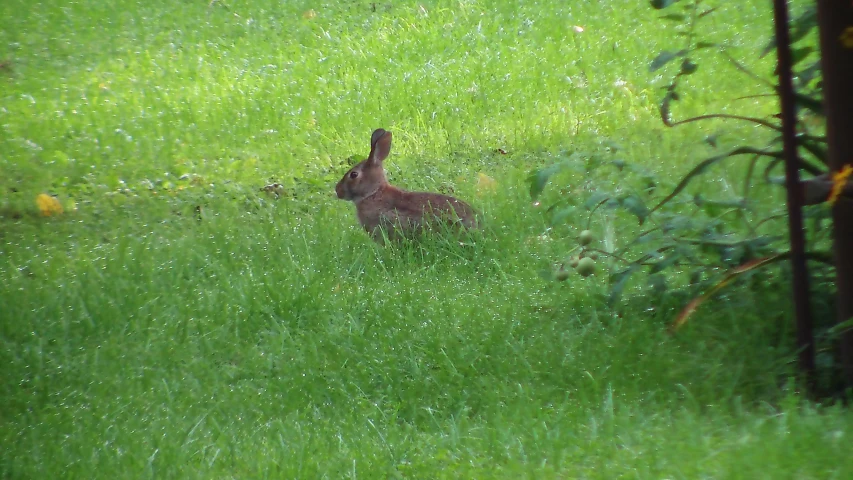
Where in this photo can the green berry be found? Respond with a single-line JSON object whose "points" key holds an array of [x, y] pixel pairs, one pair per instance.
{"points": [[573, 262], [585, 238], [586, 266]]}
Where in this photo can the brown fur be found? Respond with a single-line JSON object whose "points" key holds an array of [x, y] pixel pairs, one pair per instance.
{"points": [[400, 213]]}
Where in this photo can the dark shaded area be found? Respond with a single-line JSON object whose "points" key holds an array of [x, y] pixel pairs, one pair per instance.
{"points": [[800, 284], [835, 23]]}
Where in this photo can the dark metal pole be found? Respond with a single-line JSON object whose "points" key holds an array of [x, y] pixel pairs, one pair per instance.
{"points": [[835, 21], [805, 336]]}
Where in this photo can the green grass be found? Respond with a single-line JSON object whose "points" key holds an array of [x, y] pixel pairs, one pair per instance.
{"points": [[272, 338]]}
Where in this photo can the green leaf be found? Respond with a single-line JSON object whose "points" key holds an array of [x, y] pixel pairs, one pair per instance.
{"points": [[800, 54], [759, 245], [805, 76], [836, 330], [592, 163], [717, 207], [661, 4], [596, 199], [702, 45], [649, 238], [812, 104], [803, 24], [618, 281], [671, 258], [677, 17], [657, 282], [800, 27], [677, 223], [665, 57], [539, 178], [696, 276], [817, 215], [635, 205], [562, 215], [732, 255], [707, 12], [648, 177], [688, 67]]}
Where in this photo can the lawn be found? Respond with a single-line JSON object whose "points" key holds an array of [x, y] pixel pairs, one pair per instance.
{"points": [[177, 321]]}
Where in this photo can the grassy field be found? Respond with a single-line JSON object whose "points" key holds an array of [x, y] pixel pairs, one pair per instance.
{"points": [[177, 322]]}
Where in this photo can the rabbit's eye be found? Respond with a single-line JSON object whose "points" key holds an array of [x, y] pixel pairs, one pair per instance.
{"points": [[353, 174]]}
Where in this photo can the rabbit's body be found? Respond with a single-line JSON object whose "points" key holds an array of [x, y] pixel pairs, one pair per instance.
{"points": [[400, 213]]}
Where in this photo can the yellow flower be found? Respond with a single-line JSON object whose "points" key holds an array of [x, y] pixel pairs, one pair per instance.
{"points": [[48, 205], [839, 180]]}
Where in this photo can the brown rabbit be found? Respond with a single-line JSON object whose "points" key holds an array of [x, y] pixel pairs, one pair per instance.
{"points": [[381, 206]]}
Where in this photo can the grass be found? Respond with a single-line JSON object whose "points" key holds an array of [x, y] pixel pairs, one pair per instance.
{"points": [[179, 323]]}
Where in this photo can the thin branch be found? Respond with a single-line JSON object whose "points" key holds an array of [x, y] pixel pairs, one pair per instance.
{"points": [[745, 70], [772, 217], [610, 254], [758, 121], [816, 190]]}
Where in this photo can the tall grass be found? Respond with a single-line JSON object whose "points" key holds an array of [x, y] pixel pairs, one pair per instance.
{"points": [[182, 324]]}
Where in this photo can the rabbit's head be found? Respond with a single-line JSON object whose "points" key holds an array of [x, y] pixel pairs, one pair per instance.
{"points": [[366, 178]]}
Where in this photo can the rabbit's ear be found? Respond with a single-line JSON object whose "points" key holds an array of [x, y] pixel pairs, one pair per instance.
{"points": [[377, 134], [380, 146]]}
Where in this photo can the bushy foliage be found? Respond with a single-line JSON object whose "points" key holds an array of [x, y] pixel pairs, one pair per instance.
{"points": [[690, 244]]}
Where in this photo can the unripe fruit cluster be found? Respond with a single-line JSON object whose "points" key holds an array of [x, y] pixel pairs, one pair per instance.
{"points": [[584, 263]]}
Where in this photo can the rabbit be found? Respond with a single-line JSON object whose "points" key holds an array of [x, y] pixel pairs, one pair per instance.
{"points": [[400, 213]]}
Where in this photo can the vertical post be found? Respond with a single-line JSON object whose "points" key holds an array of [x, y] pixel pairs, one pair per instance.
{"points": [[805, 336], [835, 22]]}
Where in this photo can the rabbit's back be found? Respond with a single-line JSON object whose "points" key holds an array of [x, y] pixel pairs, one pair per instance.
{"points": [[403, 213]]}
